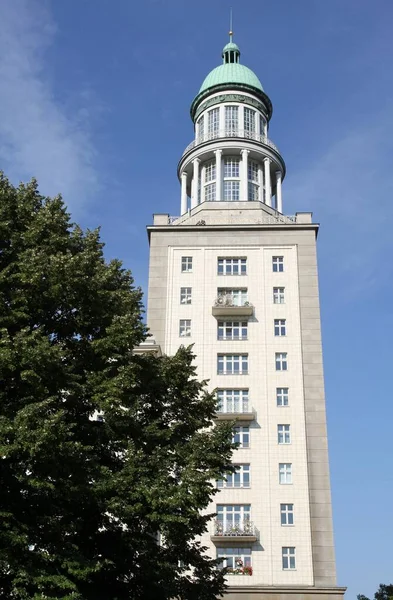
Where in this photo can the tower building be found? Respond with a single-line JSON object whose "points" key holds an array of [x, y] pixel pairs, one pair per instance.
{"points": [[238, 278]]}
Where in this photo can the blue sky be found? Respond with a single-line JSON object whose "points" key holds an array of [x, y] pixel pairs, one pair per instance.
{"points": [[94, 102]]}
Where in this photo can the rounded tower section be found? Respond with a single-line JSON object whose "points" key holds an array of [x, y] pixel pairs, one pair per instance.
{"points": [[231, 158]]}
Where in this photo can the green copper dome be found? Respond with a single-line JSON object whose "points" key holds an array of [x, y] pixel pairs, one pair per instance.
{"points": [[231, 73]]}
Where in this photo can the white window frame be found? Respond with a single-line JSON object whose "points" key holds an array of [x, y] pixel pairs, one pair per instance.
{"points": [[210, 192], [230, 515], [249, 122], [231, 120], [201, 129], [210, 171], [231, 167], [232, 266], [185, 295], [232, 364], [213, 123], [288, 558], [232, 330], [186, 264], [253, 192], [278, 295], [185, 328], [280, 327], [240, 479], [283, 434], [282, 396], [241, 436], [262, 126], [287, 516], [281, 361], [231, 190], [238, 296], [278, 264], [233, 401], [285, 473], [235, 559]]}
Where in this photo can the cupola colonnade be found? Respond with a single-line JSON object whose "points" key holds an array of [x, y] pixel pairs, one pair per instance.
{"points": [[231, 159]]}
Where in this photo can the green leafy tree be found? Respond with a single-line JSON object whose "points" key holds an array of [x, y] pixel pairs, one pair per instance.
{"points": [[83, 499], [384, 592]]}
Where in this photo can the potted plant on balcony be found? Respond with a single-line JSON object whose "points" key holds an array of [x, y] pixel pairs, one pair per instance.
{"points": [[247, 571]]}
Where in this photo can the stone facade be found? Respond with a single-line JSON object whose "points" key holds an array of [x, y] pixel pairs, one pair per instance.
{"points": [[255, 232]]}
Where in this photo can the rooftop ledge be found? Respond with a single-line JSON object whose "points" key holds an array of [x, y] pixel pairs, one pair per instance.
{"points": [[164, 219]]}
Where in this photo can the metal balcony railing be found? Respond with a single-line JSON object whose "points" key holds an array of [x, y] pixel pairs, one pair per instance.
{"points": [[232, 133], [229, 300], [244, 528]]}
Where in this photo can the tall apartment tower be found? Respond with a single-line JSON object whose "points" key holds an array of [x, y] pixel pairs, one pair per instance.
{"points": [[237, 278]]}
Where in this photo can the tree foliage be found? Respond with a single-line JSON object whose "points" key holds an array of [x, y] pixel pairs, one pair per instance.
{"points": [[82, 499], [384, 592]]}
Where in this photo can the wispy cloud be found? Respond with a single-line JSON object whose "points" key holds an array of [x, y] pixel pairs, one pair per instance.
{"points": [[37, 136], [350, 188]]}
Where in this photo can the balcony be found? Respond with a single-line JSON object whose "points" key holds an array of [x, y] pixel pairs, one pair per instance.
{"points": [[233, 134], [237, 413], [233, 532], [226, 306]]}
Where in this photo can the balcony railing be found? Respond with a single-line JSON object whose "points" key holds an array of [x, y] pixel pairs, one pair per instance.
{"points": [[225, 133], [225, 304], [234, 531], [240, 412]]}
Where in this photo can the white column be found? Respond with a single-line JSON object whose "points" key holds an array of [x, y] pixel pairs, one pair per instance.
{"points": [[195, 181], [278, 191], [183, 204], [218, 154], [203, 177], [244, 176], [268, 190], [260, 182]]}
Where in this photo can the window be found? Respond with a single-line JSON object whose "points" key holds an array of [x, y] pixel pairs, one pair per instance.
{"points": [[232, 330], [231, 167], [285, 473], [213, 120], [232, 401], [280, 327], [241, 436], [233, 519], [249, 122], [185, 295], [239, 479], [231, 191], [235, 560], [288, 558], [278, 295], [232, 266], [210, 192], [281, 361], [282, 396], [231, 120], [210, 171], [284, 434], [235, 297], [262, 126], [185, 328], [278, 264], [253, 171], [286, 511], [201, 128], [186, 264], [232, 364], [253, 192]]}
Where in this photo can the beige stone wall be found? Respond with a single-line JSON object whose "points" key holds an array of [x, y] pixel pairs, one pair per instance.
{"points": [[312, 534]]}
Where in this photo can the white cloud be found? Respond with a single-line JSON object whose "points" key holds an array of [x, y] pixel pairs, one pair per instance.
{"points": [[350, 190], [37, 136]]}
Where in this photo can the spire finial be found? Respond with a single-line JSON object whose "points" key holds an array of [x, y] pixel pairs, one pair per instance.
{"points": [[230, 25]]}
